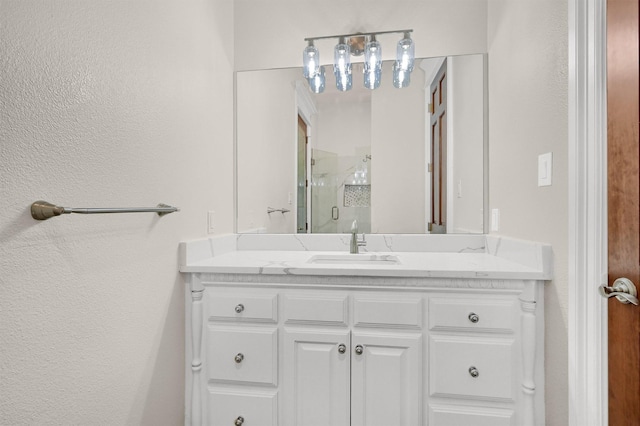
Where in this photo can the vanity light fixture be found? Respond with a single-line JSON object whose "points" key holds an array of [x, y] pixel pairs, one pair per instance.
{"points": [[354, 45]]}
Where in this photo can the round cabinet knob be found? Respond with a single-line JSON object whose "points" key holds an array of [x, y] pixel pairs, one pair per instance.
{"points": [[239, 421], [359, 350], [473, 372], [239, 308], [239, 359], [473, 317], [342, 348]]}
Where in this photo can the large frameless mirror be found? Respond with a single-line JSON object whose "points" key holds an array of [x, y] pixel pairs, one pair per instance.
{"points": [[408, 160]]}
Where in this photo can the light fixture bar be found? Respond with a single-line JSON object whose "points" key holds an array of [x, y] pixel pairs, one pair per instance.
{"points": [[358, 34]]}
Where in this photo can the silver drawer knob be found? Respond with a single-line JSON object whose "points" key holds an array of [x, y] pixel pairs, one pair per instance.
{"points": [[474, 372], [239, 358], [359, 350], [239, 421], [342, 348], [239, 308], [473, 317]]}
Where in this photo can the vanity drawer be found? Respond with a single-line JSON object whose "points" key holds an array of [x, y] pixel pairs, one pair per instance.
{"points": [[242, 354], [471, 368], [242, 307], [488, 315], [316, 308], [388, 312], [249, 409], [451, 415]]}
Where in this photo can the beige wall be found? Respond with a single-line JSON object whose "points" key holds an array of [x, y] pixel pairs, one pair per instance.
{"points": [[398, 156], [527, 43], [125, 103]]}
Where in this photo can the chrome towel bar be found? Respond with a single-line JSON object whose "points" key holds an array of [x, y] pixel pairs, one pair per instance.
{"points": [[42, 210], [282, 210]]}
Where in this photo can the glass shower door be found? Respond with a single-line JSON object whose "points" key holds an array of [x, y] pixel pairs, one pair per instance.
{"points": [[325, 210]]}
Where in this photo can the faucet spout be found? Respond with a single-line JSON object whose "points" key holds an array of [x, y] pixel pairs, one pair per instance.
{"points": [[356, 243]]}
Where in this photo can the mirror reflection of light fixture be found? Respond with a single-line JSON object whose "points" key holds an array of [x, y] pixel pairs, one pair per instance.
{"points": [[401, 78], [317, 82], [342, 65], [354, 44]]}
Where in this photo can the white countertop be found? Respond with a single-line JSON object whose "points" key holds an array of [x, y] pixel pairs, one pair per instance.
{"points": [[480, 257]]}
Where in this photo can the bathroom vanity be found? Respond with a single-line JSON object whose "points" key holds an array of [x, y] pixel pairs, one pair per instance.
{"points": [[415, 330]]}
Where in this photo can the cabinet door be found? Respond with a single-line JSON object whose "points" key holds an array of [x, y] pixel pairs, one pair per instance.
{"points": [[316, 378], [386, 374]]}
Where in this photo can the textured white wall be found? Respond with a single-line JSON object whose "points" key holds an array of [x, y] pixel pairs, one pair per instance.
{"points": [[528, 116], [125, 103]]}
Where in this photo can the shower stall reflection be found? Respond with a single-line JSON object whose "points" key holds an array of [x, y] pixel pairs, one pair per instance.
{"points": [[340, 191]]}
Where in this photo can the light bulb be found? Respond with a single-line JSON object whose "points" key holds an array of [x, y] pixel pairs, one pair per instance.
{"points": [[310, 61], [342, 66], [406, 53], [372, 63]]}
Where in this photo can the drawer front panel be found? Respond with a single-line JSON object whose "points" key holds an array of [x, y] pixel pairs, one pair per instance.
{"points": [[388, 312], [455, 361], [488, 315], [447, 415], [325, 310], [244, 354], [242, 307], [249, 409]]}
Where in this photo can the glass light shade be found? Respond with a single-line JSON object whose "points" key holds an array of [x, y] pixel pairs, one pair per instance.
{"points": [[372, 78], [372, 64], [401, 78], [342, 66], [317, 82], [406, 53], [310, 61]]}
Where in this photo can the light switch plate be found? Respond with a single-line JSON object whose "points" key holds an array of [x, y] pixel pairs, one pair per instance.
{"points": [[545, 169], [495, 220], [210, 220]]}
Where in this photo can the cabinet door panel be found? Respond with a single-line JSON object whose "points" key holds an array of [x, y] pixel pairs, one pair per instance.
{"points": [[316, 378], [386, 379]]}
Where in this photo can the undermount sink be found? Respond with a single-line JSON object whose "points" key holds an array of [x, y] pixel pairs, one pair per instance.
{"points": [[355, 259]]}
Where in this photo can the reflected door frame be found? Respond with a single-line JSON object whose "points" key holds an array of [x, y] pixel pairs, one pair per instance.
{"points": [[587, 321], [431, 71], [306, 109]]}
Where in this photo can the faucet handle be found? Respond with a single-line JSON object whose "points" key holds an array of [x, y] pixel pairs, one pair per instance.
{"points": [[363, 241]]}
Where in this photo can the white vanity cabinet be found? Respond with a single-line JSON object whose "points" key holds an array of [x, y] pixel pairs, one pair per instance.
{"points": [[339, 373], [311, 350]]}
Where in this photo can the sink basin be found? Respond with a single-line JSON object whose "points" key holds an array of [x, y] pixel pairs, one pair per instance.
{"points": [[355, 259]]}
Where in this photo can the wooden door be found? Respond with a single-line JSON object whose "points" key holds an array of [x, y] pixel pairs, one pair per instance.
{"points": [[623, 208], [438, 166], [386, 379], [316, 378]]}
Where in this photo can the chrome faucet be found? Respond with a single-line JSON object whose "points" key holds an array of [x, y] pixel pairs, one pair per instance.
{"points": [[355, 242]]}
